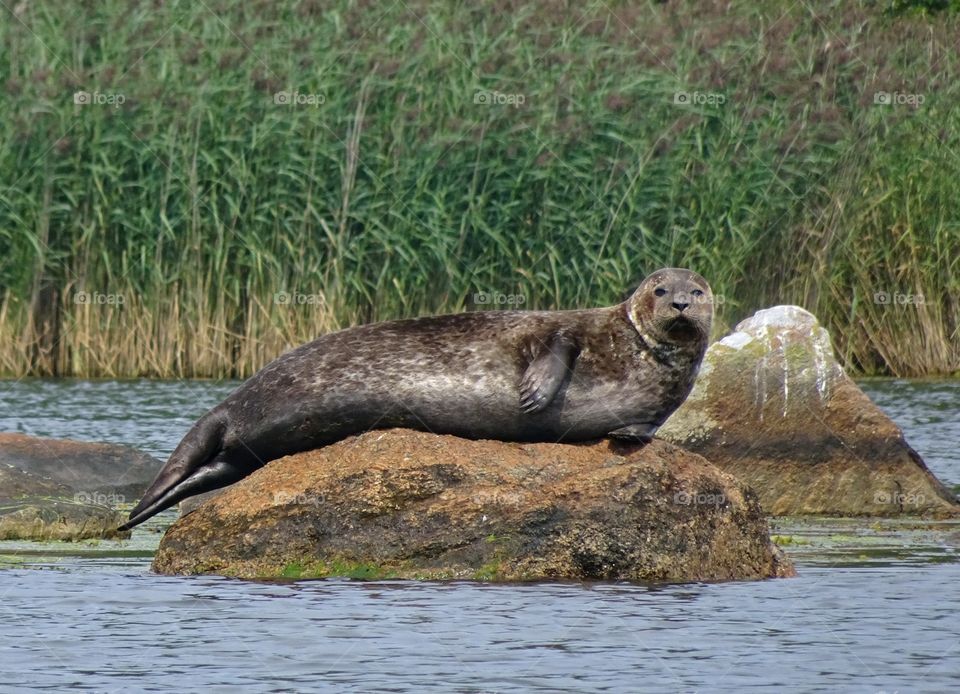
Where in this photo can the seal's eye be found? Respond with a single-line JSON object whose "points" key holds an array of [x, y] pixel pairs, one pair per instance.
{"points": [[697, 292], [659, 291]]}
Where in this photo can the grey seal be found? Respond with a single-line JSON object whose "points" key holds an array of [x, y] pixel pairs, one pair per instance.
{"points": [[574, 375]]}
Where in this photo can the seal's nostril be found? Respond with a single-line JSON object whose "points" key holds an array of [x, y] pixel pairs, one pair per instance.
{"points": [[679, 306]]}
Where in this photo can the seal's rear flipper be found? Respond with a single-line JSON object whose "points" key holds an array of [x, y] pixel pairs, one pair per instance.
{"points": [[214, 475], [197, 465]]}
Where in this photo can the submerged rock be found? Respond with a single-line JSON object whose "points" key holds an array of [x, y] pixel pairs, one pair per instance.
{"points": [[408, 504], [15, 483], [55, 489], [34, 508], [773, 407], [42, 519]]}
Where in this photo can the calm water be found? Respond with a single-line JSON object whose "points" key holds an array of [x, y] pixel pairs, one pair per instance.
{"points": [[874, 609]]}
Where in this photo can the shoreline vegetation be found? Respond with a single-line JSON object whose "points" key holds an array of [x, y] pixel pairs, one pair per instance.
{"points": [[190, 190]]}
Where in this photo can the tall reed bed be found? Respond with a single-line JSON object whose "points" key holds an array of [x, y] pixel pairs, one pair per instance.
{"points": [[245, 177]]}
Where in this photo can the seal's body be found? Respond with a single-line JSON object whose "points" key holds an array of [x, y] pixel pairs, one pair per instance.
{"points": [[511, 375]]}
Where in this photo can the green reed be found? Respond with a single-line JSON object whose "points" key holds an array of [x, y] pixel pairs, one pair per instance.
{"points": [[232, 227]]}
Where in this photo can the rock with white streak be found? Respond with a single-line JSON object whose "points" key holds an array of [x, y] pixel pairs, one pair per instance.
{"points": [[773, 407]]}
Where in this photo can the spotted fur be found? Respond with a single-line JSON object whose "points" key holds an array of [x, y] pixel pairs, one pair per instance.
{"points": [[622, 371]]}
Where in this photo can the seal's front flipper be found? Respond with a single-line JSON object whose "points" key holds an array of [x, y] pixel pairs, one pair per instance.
{"points": [[641, 433], [547, 372]]}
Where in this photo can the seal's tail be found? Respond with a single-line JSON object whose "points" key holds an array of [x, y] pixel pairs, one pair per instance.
{"points": [[197, 465]]}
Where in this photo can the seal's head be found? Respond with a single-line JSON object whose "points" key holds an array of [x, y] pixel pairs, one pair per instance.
{"points": [[672, 306]]}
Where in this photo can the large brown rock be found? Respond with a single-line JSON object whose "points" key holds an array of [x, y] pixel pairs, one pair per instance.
{"points": [[774, 408], [408, 504]]}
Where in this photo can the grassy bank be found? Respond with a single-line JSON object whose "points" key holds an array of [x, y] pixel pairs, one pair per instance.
{"points": [[244, 177]]}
